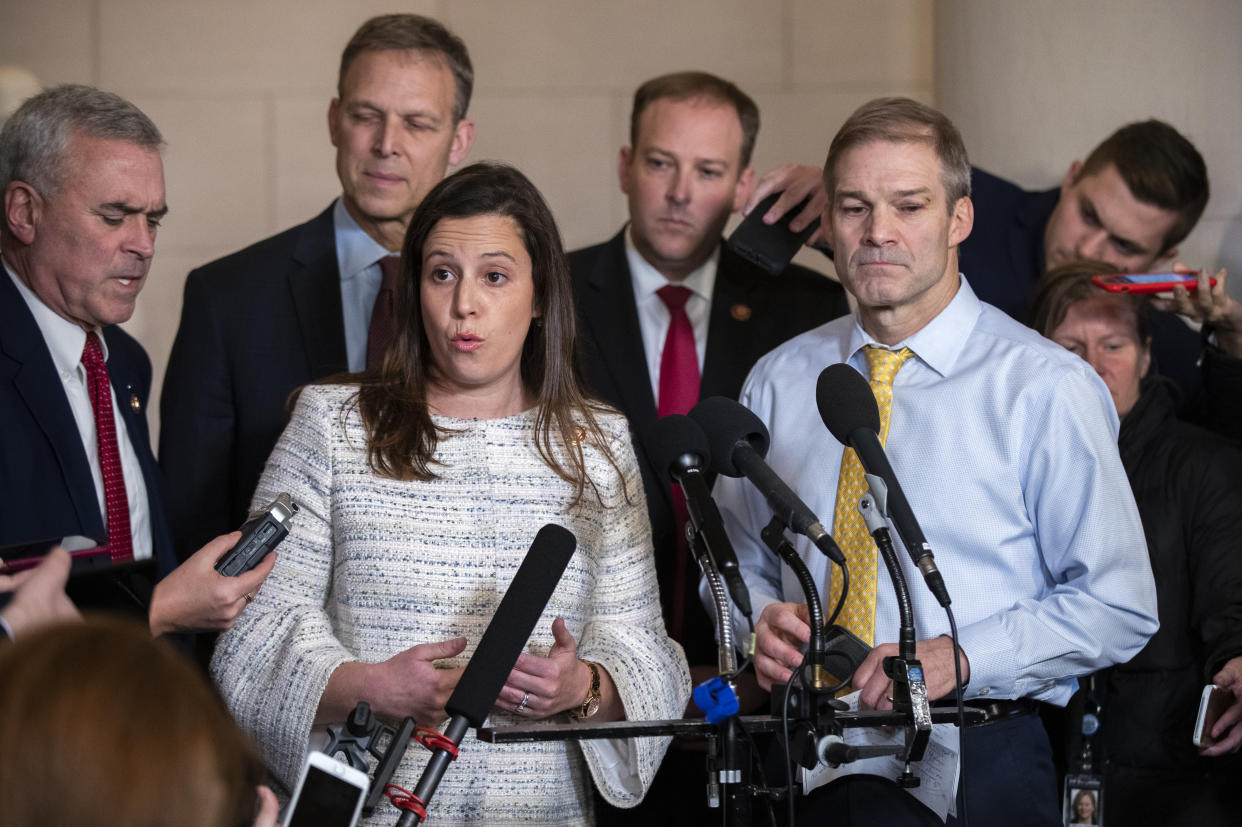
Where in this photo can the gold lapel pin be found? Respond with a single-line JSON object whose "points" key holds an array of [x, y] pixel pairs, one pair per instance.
{"points": [[740, 312], [134, 404]]}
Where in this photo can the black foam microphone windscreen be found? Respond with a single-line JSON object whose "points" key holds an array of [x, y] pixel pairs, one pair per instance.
{"points": [[727, 423], [512, 624], [673, 437], [846, 402]]}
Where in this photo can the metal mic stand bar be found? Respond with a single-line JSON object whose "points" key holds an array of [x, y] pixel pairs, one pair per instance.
{"points": [[586, 731]]}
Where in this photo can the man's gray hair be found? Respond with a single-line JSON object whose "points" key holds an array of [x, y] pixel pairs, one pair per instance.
{"points": [[35, 139]]}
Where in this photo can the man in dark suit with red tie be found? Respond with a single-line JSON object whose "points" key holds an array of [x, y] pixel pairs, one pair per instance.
{"points": [[83, 186], [668, 315], [302, 305]]}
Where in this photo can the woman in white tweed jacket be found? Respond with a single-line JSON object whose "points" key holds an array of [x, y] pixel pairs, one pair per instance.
{"points": [[425, 481]]}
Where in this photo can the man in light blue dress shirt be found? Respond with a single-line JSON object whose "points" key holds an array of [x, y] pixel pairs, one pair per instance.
{"points": [[1005, 445]]}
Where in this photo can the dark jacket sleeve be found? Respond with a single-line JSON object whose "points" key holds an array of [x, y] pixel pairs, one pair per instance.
{"points": [[1215, 547], [1221, 405], [197, 431]]}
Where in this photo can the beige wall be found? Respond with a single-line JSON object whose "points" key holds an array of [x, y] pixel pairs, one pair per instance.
{"points": [[241, 90], [1034, 85]]}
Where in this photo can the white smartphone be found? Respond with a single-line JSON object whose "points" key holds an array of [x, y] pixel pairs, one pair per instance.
{"points": [[329, 794], [1212, 703]]}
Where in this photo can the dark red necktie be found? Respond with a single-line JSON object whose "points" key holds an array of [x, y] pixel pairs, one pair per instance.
{"points": [[383, 328], [679, 392], [120, 543], [679, 364]]}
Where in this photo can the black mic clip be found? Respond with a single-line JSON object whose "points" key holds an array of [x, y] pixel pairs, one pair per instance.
{"points": [[363, 734]]}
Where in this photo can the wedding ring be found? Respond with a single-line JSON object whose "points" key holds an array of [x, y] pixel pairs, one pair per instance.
{"points": [[521, 707], [249, 597]]}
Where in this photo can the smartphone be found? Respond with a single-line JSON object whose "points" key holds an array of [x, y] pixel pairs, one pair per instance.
{"points": [[329, 794], [1212, 703], [770, 246], [260, 534], [87, 555], [1148, 282]]}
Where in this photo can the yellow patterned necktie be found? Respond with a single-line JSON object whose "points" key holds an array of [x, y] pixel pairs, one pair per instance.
{"points": [[849, 530]]}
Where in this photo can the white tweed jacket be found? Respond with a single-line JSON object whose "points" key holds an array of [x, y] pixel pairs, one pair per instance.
{"points": [[402, 563]]}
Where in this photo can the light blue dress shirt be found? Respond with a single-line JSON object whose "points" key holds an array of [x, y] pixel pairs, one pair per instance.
{"points": [[1005, 445], [357, 260]]}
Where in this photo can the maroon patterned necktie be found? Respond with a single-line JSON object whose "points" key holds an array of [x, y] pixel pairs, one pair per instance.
{"points": [[120, 543], [383, 328], [679, 392]]}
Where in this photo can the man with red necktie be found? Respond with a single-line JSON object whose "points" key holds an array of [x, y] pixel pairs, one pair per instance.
{"points": [[83, 185], [668, 315]]}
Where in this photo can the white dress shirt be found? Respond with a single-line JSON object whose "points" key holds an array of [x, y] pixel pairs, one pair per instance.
{"points": [[65, 341], [653, 315]]}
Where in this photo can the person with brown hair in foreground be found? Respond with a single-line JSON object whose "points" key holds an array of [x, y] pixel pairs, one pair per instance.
{"points": [[103, 725]]}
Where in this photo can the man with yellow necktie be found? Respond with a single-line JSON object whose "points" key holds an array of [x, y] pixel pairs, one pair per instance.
{"points": [[1006, 450]]}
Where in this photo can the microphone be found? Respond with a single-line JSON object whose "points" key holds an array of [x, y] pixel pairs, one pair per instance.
{"points": [[848, 408], [680, 451], [738, 442], [498, 650]]}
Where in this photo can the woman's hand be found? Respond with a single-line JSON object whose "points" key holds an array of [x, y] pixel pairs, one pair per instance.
{"points": [[408, 683], [540, 687]]}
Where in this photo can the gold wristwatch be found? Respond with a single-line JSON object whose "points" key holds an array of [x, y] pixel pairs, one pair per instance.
{"points": [[591, 705]]}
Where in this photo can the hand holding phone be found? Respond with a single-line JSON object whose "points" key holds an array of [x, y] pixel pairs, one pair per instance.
{"points": [[1212, 704], [260, 534], [1145, 283], [769, 246]]}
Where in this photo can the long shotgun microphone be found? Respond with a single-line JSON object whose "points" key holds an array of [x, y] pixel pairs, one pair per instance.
{"points": [[739, 441], [498, 650], [848, 407], [680, 451]]}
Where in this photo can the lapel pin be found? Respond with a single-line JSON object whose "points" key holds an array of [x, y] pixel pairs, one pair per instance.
{"points": [[740, 312], [134, 404]]}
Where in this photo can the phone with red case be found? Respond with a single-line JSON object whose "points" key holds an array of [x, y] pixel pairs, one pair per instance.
{"points": [[1148, 282]]}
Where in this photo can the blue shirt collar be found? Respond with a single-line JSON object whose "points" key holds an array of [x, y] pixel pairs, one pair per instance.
{"points": [[938, 343], [355, 250]]}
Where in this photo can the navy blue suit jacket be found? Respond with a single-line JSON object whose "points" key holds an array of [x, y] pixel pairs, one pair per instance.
{"points": [[751, 313], [255, 326], [45, 478]]}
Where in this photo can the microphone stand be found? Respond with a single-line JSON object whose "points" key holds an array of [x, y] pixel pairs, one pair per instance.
{"points": [[811, 708], [728, 760]]}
